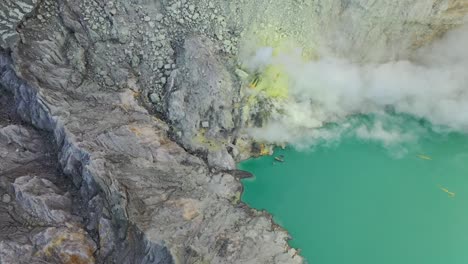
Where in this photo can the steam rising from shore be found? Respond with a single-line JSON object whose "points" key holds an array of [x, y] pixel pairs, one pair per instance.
{"points": [[433, 85]]}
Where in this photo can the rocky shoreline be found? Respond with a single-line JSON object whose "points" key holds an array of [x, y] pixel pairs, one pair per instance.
{"points": [[148, 200], [143, 103], [159, 203]]}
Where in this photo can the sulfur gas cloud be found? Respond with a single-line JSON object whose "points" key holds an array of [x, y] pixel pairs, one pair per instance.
{"points": [[433, 85]]}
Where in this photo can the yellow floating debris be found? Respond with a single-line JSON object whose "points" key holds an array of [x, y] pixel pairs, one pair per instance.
{"points": [[424, 157], [450, 194]]}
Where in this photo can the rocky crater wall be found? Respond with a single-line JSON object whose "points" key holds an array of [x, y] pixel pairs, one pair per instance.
{"points": [[145, 103], [162, 204]]}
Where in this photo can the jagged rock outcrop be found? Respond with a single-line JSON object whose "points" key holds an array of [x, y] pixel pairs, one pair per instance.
{"points": [[85, 70], [164, 205], [200, 102], [12, 12], [37, 224], [42, 199]]}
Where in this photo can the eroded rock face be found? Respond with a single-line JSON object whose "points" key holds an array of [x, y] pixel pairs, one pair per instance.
{"points": [[163, 204], [64, 245], [36, 210], [14, 252], [84, 70], [12, 12], [42, 199], [200, 101]]}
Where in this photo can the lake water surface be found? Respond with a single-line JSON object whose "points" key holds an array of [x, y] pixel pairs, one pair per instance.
{"points": [[357, 201]]}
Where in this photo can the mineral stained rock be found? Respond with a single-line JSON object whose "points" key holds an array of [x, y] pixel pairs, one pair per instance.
{"points": [[37, 222], [162, 204], [202, 89], [140, 100]]}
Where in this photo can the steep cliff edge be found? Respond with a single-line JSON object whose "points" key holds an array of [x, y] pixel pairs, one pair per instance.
{"points": [[93, 72], [41, 216], [164, 204]]}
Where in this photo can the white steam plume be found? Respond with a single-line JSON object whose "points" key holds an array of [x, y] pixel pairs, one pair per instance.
{"points": [[433, 85]]}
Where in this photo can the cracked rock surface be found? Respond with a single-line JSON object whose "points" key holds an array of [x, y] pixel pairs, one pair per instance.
{"points": [[145, 198], [119, 136], [37, 222], [12, 12]]}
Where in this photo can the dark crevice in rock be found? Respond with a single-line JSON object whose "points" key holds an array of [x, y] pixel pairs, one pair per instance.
{"points": [[116, 240], [145, 199], [37, 203]]}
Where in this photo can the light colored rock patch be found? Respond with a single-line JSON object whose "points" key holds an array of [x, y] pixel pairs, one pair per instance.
{"points": [[12, 12]]}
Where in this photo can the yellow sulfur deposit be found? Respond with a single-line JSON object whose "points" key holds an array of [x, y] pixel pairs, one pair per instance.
{"points": [[273, 82], [267, 82], [264, 151]]}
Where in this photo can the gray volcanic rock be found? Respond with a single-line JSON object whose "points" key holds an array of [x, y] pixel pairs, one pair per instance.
{"points": [[162, 202], [31, 206], [85, 70], [13, 252], [42, 199], [173, 203], [200, 99], [22, 145], [12, 12]]}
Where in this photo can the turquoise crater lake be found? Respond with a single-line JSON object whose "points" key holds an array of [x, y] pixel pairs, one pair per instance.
{"points": [[357, 202]]}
